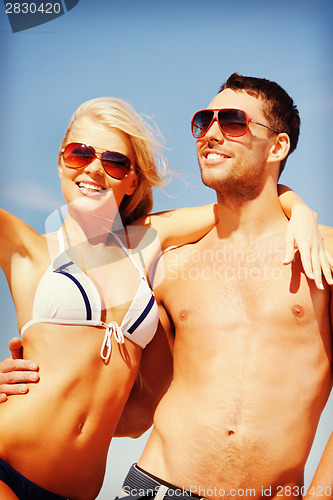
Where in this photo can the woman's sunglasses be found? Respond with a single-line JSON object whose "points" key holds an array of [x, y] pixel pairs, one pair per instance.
{"points": [[77, 155], [232, 122]]}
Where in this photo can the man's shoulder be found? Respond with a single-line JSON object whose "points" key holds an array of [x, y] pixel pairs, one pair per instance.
{"points": [[170, 264], [180, 254]]}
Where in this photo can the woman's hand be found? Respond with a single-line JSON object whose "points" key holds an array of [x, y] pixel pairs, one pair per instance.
{"points": [[16, 372], [303, 234]]}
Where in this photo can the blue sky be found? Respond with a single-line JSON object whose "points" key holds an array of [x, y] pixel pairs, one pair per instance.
{"points": [[167, 58]]}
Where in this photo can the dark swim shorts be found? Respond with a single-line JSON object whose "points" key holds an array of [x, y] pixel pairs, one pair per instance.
{"points": [[141, 485]]}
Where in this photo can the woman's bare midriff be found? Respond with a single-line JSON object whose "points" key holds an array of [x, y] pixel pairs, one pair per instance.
{"points": [[59, 433]]}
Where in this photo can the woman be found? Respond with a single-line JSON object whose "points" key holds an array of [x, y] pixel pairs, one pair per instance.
{"points": [[85, 301]]}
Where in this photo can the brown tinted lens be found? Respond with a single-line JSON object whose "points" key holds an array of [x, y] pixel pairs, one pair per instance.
{"points": [[116, 164], [233, 122], [78, 155]]}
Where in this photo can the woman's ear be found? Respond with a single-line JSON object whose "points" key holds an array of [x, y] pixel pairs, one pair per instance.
{"points": [[60, 166], [280, 148], [133, 183]]}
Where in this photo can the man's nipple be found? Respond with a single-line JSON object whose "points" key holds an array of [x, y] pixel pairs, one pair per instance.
{"points": [[297, 311], [183, 315]]}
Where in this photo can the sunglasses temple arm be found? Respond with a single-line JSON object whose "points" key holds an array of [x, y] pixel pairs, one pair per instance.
{"points": [[266, 126]]}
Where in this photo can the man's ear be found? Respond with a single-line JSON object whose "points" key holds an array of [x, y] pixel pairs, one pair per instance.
{"points": [[280, 148]]}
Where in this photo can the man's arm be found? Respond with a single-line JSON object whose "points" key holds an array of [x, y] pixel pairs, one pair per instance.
{"points": [[323, 478], [182, 225], [15, 372], [153, 380]]}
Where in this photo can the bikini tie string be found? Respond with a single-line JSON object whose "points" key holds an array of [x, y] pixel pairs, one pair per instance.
{"points": [[111, 329]]}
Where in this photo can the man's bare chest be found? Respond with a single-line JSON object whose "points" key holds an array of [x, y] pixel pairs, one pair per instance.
{"points": [[242, 294]]}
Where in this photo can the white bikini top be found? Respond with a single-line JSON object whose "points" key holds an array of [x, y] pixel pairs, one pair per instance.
{"points": [[66, 295]]}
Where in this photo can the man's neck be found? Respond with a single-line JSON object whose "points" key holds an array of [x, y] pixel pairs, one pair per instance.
{"points": [[249, 219]]}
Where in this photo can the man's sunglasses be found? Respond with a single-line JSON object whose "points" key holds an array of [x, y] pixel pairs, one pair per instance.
{"points": [[77, 155], [232, 122]]}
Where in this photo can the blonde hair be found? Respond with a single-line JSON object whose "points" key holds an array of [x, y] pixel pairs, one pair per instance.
{"points": [[150, 164]]}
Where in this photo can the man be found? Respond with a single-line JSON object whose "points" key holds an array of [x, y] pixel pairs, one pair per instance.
{"points": [[252, 338]]}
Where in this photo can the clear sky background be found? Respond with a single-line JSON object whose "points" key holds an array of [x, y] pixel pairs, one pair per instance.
{"points": [[168, 59]]}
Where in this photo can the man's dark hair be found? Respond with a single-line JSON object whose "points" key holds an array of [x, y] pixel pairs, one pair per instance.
{"points": [[279, 108]]}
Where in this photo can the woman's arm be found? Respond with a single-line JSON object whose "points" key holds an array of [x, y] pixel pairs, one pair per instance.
{"points": [[15, 238], [187, 225], [303, 234], [181, 226]]}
